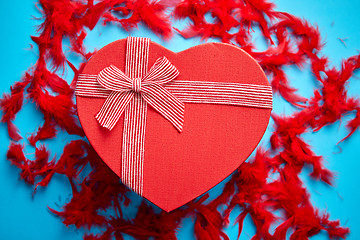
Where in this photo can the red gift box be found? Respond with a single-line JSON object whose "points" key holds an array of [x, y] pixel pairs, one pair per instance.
{"points": [[173, 125]]}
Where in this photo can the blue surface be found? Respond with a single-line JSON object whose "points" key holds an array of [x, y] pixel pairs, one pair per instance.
{"points": [[23, 216]]}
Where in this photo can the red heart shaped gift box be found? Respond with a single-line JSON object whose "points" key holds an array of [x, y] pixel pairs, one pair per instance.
{"points": [[172, 125]]}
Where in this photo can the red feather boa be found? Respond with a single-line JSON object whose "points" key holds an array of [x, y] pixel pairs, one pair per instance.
{"points": [[291, 41]]}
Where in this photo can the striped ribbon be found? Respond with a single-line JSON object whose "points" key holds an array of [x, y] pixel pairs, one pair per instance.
{"points": [[129, 93]]}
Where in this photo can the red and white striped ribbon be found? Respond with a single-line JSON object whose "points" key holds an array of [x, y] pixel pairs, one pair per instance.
{"points": [[130, 92], [248, 95], [133, 145]]}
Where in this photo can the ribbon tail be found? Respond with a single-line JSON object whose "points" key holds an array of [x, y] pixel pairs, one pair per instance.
{"points": [[112, 108], [166, 104]]}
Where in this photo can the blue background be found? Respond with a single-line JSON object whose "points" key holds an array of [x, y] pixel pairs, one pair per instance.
{"points": [[24, 216]]}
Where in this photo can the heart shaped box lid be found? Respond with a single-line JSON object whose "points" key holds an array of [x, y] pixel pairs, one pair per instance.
{"points": [[216, 138]]}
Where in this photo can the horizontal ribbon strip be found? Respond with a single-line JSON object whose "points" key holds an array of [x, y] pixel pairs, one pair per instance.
{"points": [[248, 95], [132, 91]]}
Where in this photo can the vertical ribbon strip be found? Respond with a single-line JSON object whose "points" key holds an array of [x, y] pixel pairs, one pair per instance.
{"points": [[132, 91], [135, 117]]}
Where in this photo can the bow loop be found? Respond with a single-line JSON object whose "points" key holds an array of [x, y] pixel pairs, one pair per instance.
{"points": [[114, 79], [161, 72]]}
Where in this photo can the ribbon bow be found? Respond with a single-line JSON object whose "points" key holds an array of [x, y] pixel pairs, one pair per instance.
{"points": [[123, 89]]}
